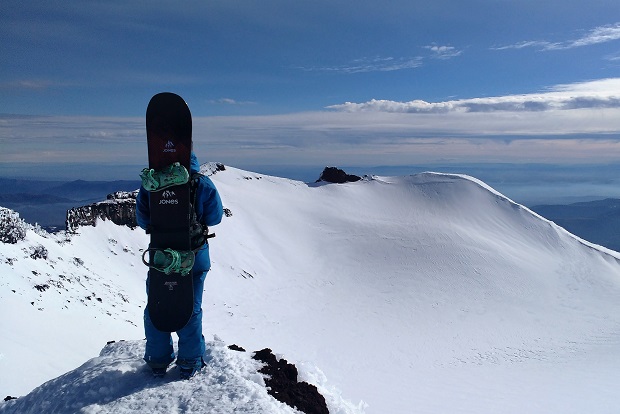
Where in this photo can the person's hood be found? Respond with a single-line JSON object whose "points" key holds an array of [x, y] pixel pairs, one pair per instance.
{"points": [[194, 165]]}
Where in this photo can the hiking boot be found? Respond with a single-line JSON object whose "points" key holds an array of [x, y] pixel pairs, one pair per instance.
{"points": [[174, 174], [187, 373], [159, 372]]}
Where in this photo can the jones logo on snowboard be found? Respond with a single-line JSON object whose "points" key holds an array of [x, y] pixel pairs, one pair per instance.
{"points": [[170, 147], [168, 198]]}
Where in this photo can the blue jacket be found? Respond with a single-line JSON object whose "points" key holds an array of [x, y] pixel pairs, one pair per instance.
{"points": [[209, 211]]}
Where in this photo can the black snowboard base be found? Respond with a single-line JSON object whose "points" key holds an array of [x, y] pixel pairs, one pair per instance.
{"points": [[169, 138]]}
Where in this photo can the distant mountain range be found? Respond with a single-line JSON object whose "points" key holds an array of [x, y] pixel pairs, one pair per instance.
{"points": [[595, 221], [47, 202]]}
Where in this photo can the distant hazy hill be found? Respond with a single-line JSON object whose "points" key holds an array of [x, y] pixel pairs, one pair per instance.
{"points": [[47, 202], [12, 185], [25, 198], [91, 190], [595, 221]]}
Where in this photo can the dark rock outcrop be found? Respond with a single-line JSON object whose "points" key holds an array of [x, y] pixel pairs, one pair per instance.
{"points": [[12, 227], [212, 168], [281, 380], [337, 176], [120, 208]]}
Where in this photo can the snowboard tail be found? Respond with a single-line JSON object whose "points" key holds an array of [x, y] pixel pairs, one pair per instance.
{"points": [[169, 138]]}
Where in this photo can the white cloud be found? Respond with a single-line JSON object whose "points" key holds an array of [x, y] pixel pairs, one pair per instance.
{"points": [[33, 84], [601, 34], [443, 52], [603, 93], [541, 44], [230, 101], [388, 63], [613, 57], [375, 64], [597, 35]]}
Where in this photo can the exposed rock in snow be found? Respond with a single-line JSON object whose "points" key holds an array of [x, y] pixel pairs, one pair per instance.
{"points": [[281, 380], [120, 208], [338, 176], [13, 228]]}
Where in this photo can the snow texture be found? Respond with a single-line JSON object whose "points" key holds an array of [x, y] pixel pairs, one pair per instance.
{"points": [[429, 293], [118, 382]]}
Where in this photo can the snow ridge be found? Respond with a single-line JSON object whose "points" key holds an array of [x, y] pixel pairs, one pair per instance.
{"points": [[118, 382]]}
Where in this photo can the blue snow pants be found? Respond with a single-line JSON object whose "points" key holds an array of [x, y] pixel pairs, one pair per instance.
{"points": [[159, 352]]}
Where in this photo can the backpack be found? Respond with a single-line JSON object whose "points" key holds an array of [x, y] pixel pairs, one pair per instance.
{"points": [[198, 233]]}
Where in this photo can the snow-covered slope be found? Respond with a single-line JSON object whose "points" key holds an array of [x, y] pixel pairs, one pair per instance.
{"points": [[420, 291], [59, 310], [429, 293], [118, 382]]}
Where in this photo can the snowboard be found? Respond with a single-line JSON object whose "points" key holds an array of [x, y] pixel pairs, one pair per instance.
{"points": [[169, 139]]}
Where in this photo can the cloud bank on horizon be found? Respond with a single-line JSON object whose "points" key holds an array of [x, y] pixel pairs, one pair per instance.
{"points": [[576, 123]]}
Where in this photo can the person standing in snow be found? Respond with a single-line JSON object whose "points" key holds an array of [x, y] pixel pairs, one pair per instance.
{"points": [[159, 353]]}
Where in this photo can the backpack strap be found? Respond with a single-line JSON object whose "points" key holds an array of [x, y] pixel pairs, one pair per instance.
{"points": [[199, 233]]}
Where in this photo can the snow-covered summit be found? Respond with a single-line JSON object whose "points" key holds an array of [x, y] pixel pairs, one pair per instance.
{"points": [[118, 382], [430, 291]]}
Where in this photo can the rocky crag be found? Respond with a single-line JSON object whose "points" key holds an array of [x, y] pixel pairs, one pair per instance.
{"points": [[119, 207]]}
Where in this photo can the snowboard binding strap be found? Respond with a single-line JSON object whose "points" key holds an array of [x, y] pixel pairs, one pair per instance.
{"points": [[171, 261], [174, 174]]}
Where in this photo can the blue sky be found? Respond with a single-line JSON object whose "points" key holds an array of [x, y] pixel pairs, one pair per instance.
{"points": [[306, 83], [279, 56]]}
